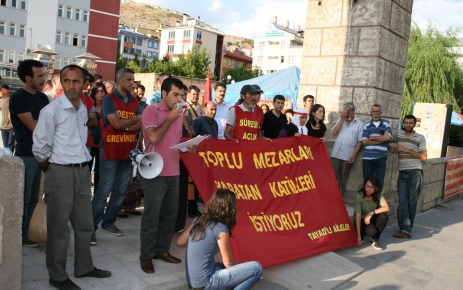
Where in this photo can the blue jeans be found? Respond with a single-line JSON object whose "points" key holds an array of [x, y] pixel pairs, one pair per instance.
{"points": [[409, 188], [8, 138], [114, 178], [31, 190], [375, 167], [239, 277]]}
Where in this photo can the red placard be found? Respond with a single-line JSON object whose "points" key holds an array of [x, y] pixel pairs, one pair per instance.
{"points": [[289, 205], [453, 176]]}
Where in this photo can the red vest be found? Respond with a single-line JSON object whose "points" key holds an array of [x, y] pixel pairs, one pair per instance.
{"points": [[89, 103], [118, 143], [247, 124]]}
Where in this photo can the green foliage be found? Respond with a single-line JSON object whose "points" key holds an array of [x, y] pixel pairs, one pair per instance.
{"points": [[433, 74], [134, 66], [120, 62], [174, 15], [456, 136], [193, 65], [240, 73]]}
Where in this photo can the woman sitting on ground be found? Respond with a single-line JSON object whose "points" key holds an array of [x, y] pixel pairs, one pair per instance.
{"points": [[297, 126], [315, 124], [370, 212], [209, 234]]}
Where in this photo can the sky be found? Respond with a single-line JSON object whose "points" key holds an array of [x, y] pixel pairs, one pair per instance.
{"points": [[248, 18]]}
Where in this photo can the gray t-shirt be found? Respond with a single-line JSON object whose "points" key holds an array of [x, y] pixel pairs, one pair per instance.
{"points": [[199, 258]]}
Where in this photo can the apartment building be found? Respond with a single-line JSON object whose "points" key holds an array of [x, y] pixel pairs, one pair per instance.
{"points": [[236, 58], [131, 43]]}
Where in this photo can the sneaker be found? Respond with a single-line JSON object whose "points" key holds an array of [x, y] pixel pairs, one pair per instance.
{"points": [[64, 285], [375, 244], [93, 241], [195, 213], [112, 229], [96, 273], [402, 235], [28, 243]]}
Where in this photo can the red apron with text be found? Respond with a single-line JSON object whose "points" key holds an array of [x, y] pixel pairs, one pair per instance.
{"points": [[247, 124]]}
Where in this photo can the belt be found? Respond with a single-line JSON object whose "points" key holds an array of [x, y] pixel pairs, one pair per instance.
{"points": [[409, 170], [83, 164], [198, 288]]}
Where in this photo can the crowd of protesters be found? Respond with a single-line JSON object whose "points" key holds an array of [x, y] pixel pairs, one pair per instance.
{"points": [[39, 126]]}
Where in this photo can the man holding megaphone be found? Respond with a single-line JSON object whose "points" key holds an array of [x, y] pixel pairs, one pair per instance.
{"points": [[162, 127]]}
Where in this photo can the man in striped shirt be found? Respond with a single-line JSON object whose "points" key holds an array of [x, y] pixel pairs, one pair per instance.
{"points": [[411, 148], [376, 135]]}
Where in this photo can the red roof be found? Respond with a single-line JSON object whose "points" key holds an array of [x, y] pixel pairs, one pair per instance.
{"points": [[238, 55]]}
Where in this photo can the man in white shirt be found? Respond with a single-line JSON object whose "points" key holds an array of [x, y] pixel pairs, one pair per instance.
{"points": [[63, 125], [222, 108]]}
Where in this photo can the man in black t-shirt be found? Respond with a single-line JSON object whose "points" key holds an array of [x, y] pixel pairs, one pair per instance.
{"points": [[25, 106], [274, 120]]}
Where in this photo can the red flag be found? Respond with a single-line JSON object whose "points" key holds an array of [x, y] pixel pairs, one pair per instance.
{"points": [[207, 89]]}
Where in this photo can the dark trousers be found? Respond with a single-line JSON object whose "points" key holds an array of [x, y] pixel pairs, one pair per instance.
{"points": [[182, 198], [8, 138], [68, 192], [95, 153], [159, 215], [375, 167], [31, 190], [377, 224]]}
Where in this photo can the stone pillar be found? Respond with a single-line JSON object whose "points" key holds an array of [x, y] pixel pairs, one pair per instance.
{"points": [[11, 212], [356, 50]]}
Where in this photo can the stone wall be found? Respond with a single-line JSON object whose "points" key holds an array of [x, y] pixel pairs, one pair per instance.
{"points": [[11, 211], [454, 151], [356, 51]]}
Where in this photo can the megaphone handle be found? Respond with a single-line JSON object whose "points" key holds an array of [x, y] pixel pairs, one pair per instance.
{"points": [[135, 167]]}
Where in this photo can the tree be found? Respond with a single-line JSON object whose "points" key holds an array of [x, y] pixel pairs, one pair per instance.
{"points": [[120, 62], [433, 74], [240, 73]]}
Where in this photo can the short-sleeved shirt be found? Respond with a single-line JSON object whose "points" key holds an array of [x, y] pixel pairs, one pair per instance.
{"points": [[21, 102], [272, 124], [108, 107], [5, 107], [205, 126], [379, 150], [416, 142], [170, 157], [348, 137], [199, 258], [221, 117], [363, 206]]}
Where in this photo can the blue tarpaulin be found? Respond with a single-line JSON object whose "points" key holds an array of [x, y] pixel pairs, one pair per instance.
{"points": [[283, 82], [457, 119]]}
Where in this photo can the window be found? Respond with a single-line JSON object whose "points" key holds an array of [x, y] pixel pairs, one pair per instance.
{"points": [[282, 45], [199, 35], [69, 12], [139, 41], [227, 61], [3, 2], [171, 35], [2, 27], [185, 48], [272, 57], [58, 36], [77, 14], [150, 43], [282, 59], [274, 43], [67, 36], [83, 41], [245, 64], [2, 55], [75, 61], [126, 49], [22, 30], [138, 52], [259, 61], [186, 34], [75, 40], [58, 62], [291, 59], [170, 49], [20, 56], [155, 55], [60, 10], [149, 54], [23, 4], [11, 56], [156, 44], [237, 63], [85, 16], [13, 3], [66, 61], [12, 29]]}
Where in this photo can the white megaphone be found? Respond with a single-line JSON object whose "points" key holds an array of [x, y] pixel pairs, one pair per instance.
{"points": [[149, 165]]}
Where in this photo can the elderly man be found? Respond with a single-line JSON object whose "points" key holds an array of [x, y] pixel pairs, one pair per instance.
{"points": [[244, 121], [348, 143], [222, 108], [62, 125], [376, 135], [206, 125], [411, 148]]}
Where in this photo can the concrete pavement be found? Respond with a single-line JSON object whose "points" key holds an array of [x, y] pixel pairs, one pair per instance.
{"points": [[432, 259]]}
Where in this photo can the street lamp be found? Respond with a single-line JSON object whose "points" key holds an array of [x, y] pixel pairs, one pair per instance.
{"points": [[229, 78]]}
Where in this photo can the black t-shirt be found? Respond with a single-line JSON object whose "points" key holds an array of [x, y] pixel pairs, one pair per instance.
{"points": [[320, 133], [22, 102], [272, 124]]}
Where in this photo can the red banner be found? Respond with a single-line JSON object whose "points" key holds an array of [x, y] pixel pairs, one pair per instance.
{"points": [[453, 176], [289, 205]]}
